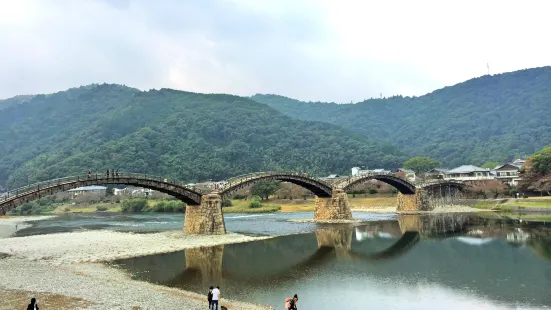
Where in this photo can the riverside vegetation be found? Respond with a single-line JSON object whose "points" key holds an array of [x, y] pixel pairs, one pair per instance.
{"points": [[184, 136], [493, 117]]}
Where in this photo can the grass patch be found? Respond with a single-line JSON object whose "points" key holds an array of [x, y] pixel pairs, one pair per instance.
{"points": [[246, 209], [528, 203]]}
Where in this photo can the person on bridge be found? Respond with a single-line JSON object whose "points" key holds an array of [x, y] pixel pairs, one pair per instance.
{"points": [[89, 174], [33, 305], [107, 173]]}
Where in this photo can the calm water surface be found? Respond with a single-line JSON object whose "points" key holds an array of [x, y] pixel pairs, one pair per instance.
{"points": [[386, 262]]}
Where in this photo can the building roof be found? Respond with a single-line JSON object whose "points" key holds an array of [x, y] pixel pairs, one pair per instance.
{"points": [[332, 176], [467, 169], [508, 166], [406, 170], [441, 170], [88, 188]]}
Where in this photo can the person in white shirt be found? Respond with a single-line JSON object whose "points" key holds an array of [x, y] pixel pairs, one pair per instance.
{"points": [[215, 298]]}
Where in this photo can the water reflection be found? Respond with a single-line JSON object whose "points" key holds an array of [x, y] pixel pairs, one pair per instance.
{"points": [[455, 261]]}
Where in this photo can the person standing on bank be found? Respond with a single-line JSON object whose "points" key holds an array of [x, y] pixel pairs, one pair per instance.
{"points": [[209, 296], [33, 305], [215, 298], [294, 302]]}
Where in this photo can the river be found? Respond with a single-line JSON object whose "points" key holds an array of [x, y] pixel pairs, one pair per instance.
{"points": [[448, 261]]}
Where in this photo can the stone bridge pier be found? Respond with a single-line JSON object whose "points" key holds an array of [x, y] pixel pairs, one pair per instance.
{"points": [[338, 239], [207, 218], [413, 202], [207, 261], [333, 208]]}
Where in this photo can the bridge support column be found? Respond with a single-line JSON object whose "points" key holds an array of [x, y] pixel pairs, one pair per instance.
{"points": [[206, 219], [334, 208], [416, 202], [208, 261]]}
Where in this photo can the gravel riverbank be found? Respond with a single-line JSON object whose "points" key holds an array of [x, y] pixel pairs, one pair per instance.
{"points": [[66, 270], [10, 224]]}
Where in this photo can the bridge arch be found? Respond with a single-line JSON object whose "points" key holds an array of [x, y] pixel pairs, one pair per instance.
{"points": [[402, 185], [319, 188], [17, 197], [432, 186]]}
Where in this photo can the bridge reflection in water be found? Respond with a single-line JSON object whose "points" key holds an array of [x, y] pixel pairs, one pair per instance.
{"points": [[390, 249]]}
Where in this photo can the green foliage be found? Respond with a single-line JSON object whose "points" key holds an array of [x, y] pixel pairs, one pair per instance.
{"points": [[43, 205], [541, 161], [101, 208], [255, 203], [226, 203], [167, 206], [421, 164], [498, 117], [134, 205], [179, 135], [373, 191], [265, 188], [491, 164], [536, 172], [262, 209]]}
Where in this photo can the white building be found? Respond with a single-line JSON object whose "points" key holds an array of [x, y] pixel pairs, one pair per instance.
{"points": [[508, 173], [407, 173], [356, 171], [87, 189], [468, 173]]}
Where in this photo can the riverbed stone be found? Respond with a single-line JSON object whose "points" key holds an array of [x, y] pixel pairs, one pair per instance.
{"points": [[334, 208], [207, 218]]}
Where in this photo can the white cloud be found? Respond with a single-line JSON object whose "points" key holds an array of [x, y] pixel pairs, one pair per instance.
{"points": [[310, 49]]}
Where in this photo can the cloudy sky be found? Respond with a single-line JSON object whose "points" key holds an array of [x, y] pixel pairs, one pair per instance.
{"points": [[325, 50]]}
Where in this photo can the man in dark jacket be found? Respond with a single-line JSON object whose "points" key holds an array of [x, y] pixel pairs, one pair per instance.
{"points": [[33, 305]]}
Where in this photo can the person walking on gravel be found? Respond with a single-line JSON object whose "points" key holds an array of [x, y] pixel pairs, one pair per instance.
{"points": [[215, 298], [33, 305]]}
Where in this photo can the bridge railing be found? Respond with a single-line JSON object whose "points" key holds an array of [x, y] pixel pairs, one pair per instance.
{"points": [[250, 176], [22, 191], [351, 179]]}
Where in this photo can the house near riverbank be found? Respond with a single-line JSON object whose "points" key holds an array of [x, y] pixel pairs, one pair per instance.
{"points": [[94, 189], [508, 173], [406, 173], [435, 174], [468, 173]]}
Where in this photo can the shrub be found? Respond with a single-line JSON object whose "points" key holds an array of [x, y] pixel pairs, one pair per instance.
{"points": [[255, 203], [134, 205], [101, 208], [373, 191], [240, 197], [226, 203]]}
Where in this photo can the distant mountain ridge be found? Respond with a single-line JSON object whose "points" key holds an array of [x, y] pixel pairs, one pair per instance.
{"points": [[498, 117], [177, 134]]}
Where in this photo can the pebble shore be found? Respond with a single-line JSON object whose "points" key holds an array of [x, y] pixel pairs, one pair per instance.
{"points": [[71, 265]]}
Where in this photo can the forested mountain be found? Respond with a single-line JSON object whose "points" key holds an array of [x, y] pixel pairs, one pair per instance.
{"points": [[171, 133], [496, 117]]}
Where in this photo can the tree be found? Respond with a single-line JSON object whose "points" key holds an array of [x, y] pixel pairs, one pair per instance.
{"points": [[536, 172], [490, 164], [265, 188], [421, 164]]}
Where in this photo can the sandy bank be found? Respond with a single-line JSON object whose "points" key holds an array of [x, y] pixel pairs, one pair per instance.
{"points": [[375, 209], [92, 286], [324, 221], [446, 209], [10, 224], [102, 245]]}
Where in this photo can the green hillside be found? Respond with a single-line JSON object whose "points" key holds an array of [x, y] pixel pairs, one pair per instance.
{"points": [[495, 117], [171, 133]]}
